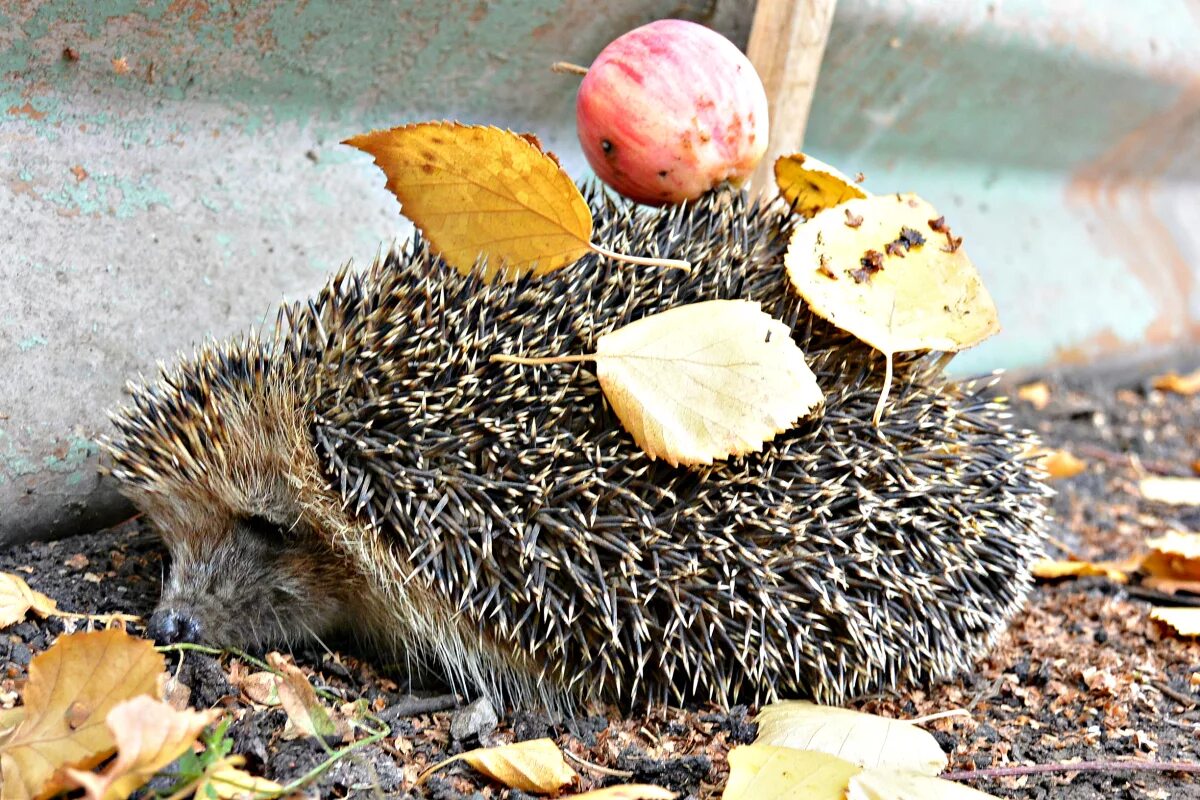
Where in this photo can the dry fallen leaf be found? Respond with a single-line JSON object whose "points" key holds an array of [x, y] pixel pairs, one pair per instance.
{"points": [[917, 294], [16, 599], [1036, 394], [225, 779], [864, 739], [629, 791], [261, 688], [702, 381], [149, 735], [810, 185], [1185, 621], [1059, 464], [889, 784], [535, 766], [71, 688], [308, 717], [766, 772], [1179, 384], [1118, 571], [1172, 491], [475, 190], [1174, 557]]}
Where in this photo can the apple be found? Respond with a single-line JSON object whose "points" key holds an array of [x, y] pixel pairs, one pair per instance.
{"points": [[670, 110]]}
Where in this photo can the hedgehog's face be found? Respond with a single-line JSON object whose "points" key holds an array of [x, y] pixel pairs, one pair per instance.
{"points": [[252, 584]]}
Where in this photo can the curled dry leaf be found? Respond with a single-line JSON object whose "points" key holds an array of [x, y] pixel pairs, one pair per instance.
{"points": [[17, 599], [915, 297], [810, 185], [1185, 621], [1179, 384], [1036, 394], [1059, 464], [1174, 557], [629, 791], [1117, 571], [305, 712], [534, 766], [891, 784], [702, 381], [149, 735], [864, 739], [766, 772], [1172, 491], [71, 688]]}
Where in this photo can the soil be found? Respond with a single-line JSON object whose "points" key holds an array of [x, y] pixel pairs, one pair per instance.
{"points": [[1083, 674]]}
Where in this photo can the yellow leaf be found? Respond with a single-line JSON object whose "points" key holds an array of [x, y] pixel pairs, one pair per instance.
{"points": [[875, 267], [1179, 384], [864, 739], [1118, 571], [1036, 394], [299, 700], [1174, 556], [890, 784], [629, 791], [1059, 464], [228, 781], [1185, 621], [16, 598], [476, 190], [71, 688], [809, 185], [766, 772], [149, 735], [535, 766], [706, 380], [1172, 491]]}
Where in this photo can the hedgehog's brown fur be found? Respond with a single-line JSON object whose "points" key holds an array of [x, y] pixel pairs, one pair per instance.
{"points": [[495, 521]]}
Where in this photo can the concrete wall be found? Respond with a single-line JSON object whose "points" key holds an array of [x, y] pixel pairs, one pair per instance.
{"points": [[170, 169]]}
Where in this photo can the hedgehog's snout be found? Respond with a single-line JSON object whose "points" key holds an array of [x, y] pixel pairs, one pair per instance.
{"points": [[174, 626]]}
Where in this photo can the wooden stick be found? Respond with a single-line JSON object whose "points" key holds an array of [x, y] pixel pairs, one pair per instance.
{"points": [[787, 43]]}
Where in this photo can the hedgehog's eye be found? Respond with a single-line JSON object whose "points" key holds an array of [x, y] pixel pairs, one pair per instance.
{"points": [[265, 529]]}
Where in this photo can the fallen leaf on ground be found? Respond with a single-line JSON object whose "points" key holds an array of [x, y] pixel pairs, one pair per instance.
{"points": [[1179, 384], [810, 185], [149, 735], [17, 599], [227, 780], [702, 381], [1185, 621], [1174, 557], [536, 765], [305, 712], [261, 688], [1036, 394], [1172, 491], [767, 772], [629, 791], [1059, 464], [863, 739], [888, 784], [1117, 571], [71, 688]]}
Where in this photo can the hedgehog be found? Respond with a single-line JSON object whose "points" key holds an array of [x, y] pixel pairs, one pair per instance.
{"points": [[366, 470]]}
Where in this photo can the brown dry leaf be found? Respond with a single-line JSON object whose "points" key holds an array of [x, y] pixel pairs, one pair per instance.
{"points": [[228, 781], [913, 297], [629, 791], [149, 735], [1036, 394], [706, 380], [16, 599], [1171, 585], [71, 688], [864, 739], [474, 189], [1059, 464], [1118, 571], [1185, 621], [889, 784], [1172, 491], [1174, 557], [1179, 384], [766, 772], [535, 766], [305, 712], [261, 688], [810, 185]]}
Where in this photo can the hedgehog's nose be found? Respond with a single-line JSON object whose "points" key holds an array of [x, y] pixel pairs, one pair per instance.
{"points": [[174, 626]]}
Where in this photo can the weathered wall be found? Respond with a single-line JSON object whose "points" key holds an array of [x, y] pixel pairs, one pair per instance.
{"points": [[169, 170]]}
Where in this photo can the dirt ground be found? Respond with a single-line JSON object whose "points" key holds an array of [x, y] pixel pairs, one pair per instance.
{"points": [[1083, 673]]}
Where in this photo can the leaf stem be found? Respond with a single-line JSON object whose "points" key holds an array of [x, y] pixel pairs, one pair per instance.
{"points": [[887, 387], [505, 358], [567, 68], [673, 263]]}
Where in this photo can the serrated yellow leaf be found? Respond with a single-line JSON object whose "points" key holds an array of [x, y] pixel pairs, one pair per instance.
{"points": [[535, 766], [71, 688], [810, 185], [923, 297], [1185, 621], [475, 191], [864, 739], [706, 380], [892, 784], [766, 772], [17, 599], [149, 735]]}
